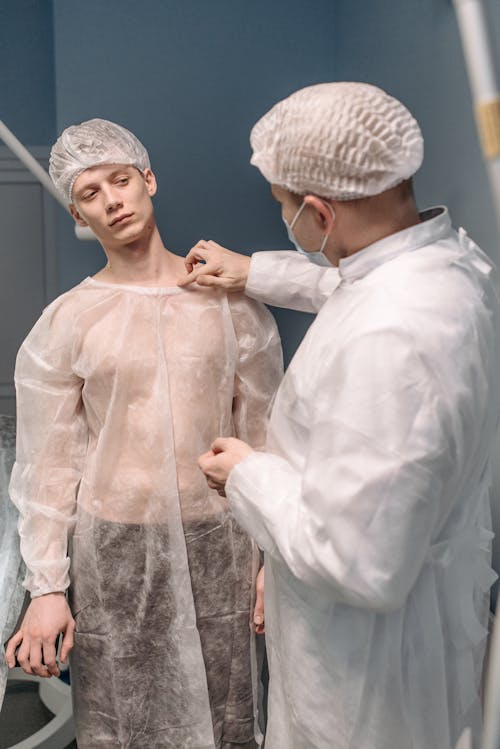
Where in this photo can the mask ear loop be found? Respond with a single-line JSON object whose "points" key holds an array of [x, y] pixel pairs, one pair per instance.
{"points": [[294, 220], [325, 238]]}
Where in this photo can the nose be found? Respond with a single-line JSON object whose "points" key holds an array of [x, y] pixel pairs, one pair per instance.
{"points": [[112, 200]]}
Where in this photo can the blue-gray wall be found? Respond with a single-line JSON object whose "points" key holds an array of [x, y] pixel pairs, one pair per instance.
{"points": [[413, 50], [27, 91]]}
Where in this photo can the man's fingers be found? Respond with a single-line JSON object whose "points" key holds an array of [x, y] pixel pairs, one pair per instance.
{"points": [[35, 658], [14, 642], [12, 645], [49, 657], [258, 612], [68, 641], [23, 656]]}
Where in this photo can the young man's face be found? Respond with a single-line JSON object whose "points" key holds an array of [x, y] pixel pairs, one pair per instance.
{"points": [[115, 201]]}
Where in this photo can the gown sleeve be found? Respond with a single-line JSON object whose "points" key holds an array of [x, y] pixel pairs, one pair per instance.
{"points": [[356, 521], [259, 369], [287, 279], [50, 450]]}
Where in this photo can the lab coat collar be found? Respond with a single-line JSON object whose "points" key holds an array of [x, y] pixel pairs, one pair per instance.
{"points": [[435, 225]]}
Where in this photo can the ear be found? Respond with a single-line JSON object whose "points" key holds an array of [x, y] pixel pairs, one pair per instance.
{"points": [[324, 211], [150, 181], [78, 219]]}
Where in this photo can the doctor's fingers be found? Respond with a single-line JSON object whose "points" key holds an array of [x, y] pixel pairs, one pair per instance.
{"points": [[199, 252], [202, 460], [10, 651], [206, 275], [222, 444], [206, 251], [213, 470]]}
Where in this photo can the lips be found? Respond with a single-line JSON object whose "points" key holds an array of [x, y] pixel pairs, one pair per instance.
{"points": [[119, 219]]}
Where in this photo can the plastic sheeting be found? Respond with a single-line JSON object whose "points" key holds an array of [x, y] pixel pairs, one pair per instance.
{"points": [[120, 389]]}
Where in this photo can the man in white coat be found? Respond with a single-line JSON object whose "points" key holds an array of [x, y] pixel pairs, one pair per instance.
{"points": [[371, 500]]}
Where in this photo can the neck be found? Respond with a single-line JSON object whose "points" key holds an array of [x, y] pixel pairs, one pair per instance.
{"points": [[142, 262], [361, 223]]}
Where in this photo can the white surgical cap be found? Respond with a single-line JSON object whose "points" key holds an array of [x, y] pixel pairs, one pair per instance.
{"points": [[337, 140], [92, 143]]}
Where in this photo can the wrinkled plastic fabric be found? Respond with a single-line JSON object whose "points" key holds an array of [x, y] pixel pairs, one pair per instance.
{"points": [[378, 540], [89, 144], [11, 564], [120, 389]]}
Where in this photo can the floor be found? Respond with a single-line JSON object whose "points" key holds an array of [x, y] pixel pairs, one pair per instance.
{"points": [[22, 714]]}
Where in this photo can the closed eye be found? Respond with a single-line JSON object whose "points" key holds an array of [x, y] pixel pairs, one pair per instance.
{"points": [[88, 195]]}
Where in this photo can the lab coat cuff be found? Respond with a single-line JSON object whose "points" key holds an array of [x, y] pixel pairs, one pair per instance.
{"points": [[248, 496]]}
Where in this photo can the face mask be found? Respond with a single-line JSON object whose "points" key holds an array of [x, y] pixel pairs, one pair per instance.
{"points": [[318, 258]]}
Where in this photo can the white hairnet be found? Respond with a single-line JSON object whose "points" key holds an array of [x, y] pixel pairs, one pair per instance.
{"points": [[337, 140], [91, 143]]}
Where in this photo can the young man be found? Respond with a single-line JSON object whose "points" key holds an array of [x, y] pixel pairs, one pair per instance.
{"points": [[123, 381], [377, 541]]}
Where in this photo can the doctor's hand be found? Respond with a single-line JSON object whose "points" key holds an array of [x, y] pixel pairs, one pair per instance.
{"points": [[220, 267], [220, 460], [45, 618]]}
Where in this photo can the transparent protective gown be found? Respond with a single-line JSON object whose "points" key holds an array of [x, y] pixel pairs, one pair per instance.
{"points": [[372, 499], [120, 389]]}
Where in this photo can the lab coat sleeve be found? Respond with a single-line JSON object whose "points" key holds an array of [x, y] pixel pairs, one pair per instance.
{"points": [[287, 279], [357, 520], [51, 446], [259, 369]]}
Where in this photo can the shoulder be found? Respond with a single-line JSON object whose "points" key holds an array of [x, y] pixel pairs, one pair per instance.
{"points": [[418, 312], [55, 328], [242, 305], [251, 316], [440, 288]]}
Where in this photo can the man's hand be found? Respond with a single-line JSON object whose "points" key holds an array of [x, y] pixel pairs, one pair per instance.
{"points": [[258, 612], [220, 267], [45, 618], [220, 460]]}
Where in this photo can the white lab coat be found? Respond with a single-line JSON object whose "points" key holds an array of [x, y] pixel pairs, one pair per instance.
{"points": [[372, 499]]}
